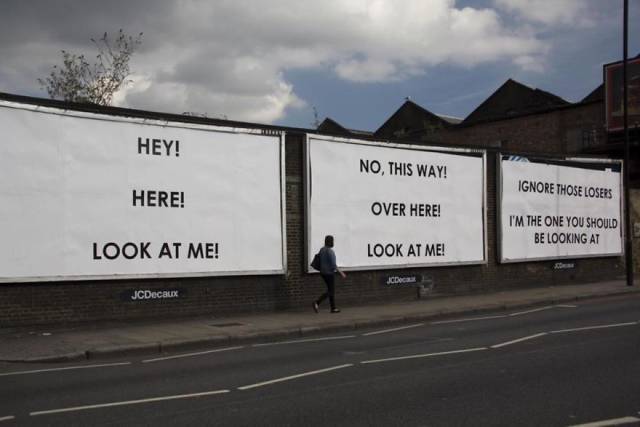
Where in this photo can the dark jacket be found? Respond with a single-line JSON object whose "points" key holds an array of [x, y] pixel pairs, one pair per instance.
{"points": [[327, 261]]}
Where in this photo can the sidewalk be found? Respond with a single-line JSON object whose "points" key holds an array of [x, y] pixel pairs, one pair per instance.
{"points": [[41, 344]]}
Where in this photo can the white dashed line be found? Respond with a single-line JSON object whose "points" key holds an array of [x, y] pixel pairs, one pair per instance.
{"points": [[535, 310], [392, 330], [588, 328], [344, 337], [530, 337], [128, 402], [199, 353], [292, 377], [7, 418], [68, 368], [418, 356], [520, 313], [611, 422], [468, 319]]}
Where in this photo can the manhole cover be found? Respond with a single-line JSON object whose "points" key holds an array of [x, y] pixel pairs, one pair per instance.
{"points": [[225, 325]]}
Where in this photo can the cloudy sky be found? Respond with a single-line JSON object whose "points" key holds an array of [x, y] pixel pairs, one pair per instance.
{"points": [[276, 61]]}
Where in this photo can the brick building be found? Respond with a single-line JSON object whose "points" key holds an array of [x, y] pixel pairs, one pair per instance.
{"points": [[517, 118]]}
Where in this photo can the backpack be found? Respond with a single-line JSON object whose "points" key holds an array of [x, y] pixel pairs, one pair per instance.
{"points": [[315, 263]]}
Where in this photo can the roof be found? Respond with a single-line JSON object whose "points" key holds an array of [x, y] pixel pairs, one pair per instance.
{"points": [[596, 95], [450, 119], [411, 118], [330, 126], [513, 99]]}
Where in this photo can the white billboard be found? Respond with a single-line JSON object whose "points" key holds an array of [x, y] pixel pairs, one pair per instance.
{"points": [[393, 206], [552, 211], [98, 196]]}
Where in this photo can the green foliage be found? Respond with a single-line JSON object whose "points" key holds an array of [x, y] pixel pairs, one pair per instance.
{"points": [[77, 80]]}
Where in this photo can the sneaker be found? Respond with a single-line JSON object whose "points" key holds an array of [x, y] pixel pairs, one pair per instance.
{"points": [[315, 307], [335, 310]]}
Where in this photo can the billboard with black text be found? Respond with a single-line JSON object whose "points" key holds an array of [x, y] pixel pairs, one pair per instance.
{"points": [[94, 196], [391, 206], [559, 209]]}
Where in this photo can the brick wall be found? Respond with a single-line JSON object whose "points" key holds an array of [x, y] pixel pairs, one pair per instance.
{"points": [[87, 301], [561, 131], [363, 287]]}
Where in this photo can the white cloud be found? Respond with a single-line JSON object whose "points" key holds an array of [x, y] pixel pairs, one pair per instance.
{"points": [[392, 43], [368, 71], [550, 12], [531, 63], [230, 58]]}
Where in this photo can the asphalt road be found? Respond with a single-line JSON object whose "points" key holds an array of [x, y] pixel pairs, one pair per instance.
{"points": [[545, 366]]}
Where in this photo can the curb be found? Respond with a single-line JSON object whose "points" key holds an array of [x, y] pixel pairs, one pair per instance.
{"points": [[60, 358], [155, 348], [192, 343], [122, 350]]}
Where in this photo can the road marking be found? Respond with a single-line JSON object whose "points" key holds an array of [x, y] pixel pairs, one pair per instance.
{"points": [[530, 337], [344, 337], [611, 422], [587, 328], [199, 353], [417, 356], [392, 330], [128, 402], [10, 417], [468, 319], [535, 310], [292, 377], [38, 371]]}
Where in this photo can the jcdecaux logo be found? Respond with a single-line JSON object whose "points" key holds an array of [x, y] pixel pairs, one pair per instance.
{"points": [[149, 294]]}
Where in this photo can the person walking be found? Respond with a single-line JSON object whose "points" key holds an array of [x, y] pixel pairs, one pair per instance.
{"points": [[328, 268]]}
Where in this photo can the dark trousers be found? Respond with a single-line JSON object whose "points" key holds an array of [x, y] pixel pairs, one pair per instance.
{"points": [[329, 279]]}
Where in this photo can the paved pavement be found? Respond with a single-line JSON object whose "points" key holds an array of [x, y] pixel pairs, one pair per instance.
{"points": [[80, 342]]}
